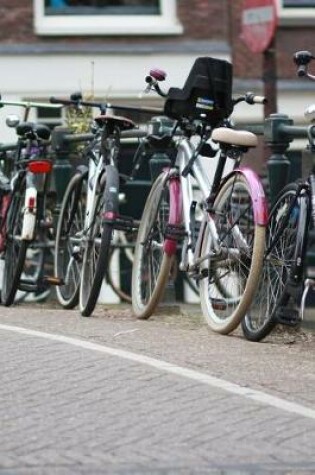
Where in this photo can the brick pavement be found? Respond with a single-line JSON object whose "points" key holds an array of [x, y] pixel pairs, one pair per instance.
{"points": [[66, 409]]}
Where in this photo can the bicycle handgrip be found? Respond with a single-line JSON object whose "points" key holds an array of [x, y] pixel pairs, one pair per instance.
{"points": [[158, 74], [251, 98]]}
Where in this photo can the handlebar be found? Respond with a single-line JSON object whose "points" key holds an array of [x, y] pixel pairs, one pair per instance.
{"points": [[302, 59], [28, 104], [250, 98], [153, 79], [76, 101]]}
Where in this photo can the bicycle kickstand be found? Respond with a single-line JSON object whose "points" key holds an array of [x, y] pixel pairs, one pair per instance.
{"points": [[308, 284]]}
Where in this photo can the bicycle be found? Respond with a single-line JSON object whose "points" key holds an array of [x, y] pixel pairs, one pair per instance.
{"points": [[84, 243], [225, 254], [26, 224], [284, 285]]}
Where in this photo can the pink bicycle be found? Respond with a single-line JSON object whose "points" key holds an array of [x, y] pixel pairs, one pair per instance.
{"points": [[220, 234]]}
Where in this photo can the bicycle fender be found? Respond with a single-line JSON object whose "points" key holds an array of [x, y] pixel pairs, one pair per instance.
{"points": [[257, 193], [111, 193], [29, 215], [82, 169], [175, 214]]}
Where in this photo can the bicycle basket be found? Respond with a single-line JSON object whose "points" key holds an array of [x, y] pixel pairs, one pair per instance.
{"points": [[207, 93]]}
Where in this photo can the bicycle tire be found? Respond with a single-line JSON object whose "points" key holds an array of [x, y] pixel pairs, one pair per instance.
{"points": [[152, 266], [16, 248], [33, 267], [230, 283], [95, 260], [68, 243], [280, 253]]}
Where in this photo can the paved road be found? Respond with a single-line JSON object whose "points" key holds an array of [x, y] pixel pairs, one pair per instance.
{"points": [[110, 394]]}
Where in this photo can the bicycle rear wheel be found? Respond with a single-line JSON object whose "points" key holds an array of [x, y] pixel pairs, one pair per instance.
{"points": [[152, 266], [232, 274], [16, 248], [68, 244], [281, 242]]}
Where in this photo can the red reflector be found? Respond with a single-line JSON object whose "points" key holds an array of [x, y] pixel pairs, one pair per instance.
{"points": [[31, 202], [39, 166], [109, 215]]}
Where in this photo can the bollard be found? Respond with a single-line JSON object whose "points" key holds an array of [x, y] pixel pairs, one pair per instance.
{"points": [[278, 164], [158, 162], [62, 168]]}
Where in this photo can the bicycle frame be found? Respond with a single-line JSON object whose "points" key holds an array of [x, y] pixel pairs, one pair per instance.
{"points": [[181, 197], [95, 168]]}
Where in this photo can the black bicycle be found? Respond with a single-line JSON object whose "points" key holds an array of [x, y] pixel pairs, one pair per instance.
{"points": [[283, 287], [90, 220], [26, 224]]}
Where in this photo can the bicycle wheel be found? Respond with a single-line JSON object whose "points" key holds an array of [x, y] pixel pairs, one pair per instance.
{"points": [[232, 273], [280, 254], [33, 268], [152, 266], [16, 248], [119, 269], [68, 244], [95, 259]]}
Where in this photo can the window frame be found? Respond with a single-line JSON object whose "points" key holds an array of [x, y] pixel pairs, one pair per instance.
{"points": [[295, 16], [164, 24]]}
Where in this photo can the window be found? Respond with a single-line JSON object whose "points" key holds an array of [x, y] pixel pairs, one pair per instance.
{"points": [[293, 12], [298, 4], [106, 17]]}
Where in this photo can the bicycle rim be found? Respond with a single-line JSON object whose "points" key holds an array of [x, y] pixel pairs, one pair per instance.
{"points": [[233, 273], [68, 245], [151, 268]]}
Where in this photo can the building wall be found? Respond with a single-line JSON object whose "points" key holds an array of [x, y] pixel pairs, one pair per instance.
{"points": [[289, 39], [39, 65], [201, 19]]}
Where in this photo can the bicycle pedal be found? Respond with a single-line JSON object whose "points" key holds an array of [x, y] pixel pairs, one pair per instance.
{"points": [[202, 274], [288, 316], [124, 223], [27, 286], [46, 224], [52, 280]]}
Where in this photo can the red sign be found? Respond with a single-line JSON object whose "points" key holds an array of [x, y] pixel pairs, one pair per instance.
{"points": [[259, 23]]}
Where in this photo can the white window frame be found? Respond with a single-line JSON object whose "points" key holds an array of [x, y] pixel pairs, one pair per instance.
{"points": [[164, 24], [295, 16]]}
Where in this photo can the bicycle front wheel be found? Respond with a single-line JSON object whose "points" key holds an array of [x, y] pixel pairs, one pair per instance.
{"points": [[281, 242], [68, 244], [15, 249], [232, 261], [95, 259], [152, 266]]}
